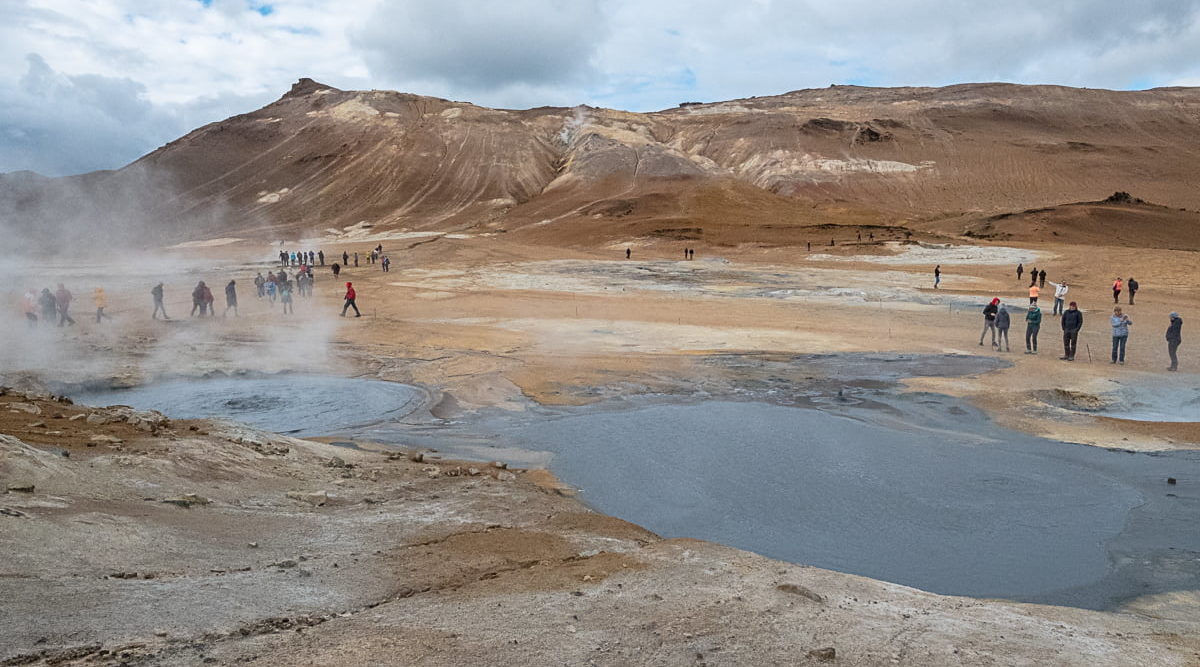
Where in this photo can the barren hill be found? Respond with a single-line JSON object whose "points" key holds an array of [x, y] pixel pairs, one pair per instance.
{"points": [[322, 161]]}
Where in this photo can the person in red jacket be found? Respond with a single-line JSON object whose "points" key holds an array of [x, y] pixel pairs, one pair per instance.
{"points": [[350, 301]]}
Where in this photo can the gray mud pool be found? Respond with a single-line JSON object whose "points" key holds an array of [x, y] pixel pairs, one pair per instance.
{"points": [[917, 489], [303, 405]]}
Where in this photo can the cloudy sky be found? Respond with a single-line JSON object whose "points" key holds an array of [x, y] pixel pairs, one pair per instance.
{"points": [[94, 84]]}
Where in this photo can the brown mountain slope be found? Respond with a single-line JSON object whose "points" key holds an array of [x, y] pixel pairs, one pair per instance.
{"points": [[322, 159]]}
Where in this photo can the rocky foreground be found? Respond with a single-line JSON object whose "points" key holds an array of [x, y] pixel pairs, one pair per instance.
{"points": [[132, 539]]}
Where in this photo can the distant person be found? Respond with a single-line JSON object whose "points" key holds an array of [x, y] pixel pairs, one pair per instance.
{"points": [[1174, 339], [937, 276], [230, 299], [871, 236], [387, 263], [628, 253], [1072, 322], [337, 268], [350, 297], [1003, 321], [1033, 324], [686, 253], [63, 298], [1034, 292], [1020, 270], [1116, 287], [281, 277], [260, 285], [207, 297], [860, 236], [693, 253], [1042, 278], [157, 293], [989, 321], [1120, 334], [321, 257], [272, 291], [345, 258], [283, 258], [1060, 295], [1033, 274], [831, 243], [101, 300], [49, 306], [29, 305], [285, 297], [198, 299], [356, 260], [810, 246], [1133, 288]]}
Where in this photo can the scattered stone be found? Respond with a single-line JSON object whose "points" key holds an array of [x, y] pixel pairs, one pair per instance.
{"points": [[14, 513], [75, 418], [417, 457], [432, 472], [106, 439], [1170, 480], [253, 545], [31, 408], [99, 419], [38, 425], [316, 498], [499, 464], [506, 476], [187, 500], [474, 472], [797, 589], [827, 654], [160, 633], [285, 564], [335, 462], [21, 487]]}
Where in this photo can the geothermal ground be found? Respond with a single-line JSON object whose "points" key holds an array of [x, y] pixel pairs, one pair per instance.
{"points": [[490, 446]]}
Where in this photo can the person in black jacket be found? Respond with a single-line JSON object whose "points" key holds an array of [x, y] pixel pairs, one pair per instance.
{"points": [[1174, 338], [1133, 288], [1072, 322], [989, 321]]}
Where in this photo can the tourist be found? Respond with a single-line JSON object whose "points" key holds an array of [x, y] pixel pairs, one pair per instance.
{"points": [[1072, 322], [260, 285], [321, 257], [1060, 293], [1034, 292], [628, 252], [1020, 270], [63, 298], [285, 297], [101, 301], [1002, 323], [1033, 274], [157, 293], [1116, 290], [356, 260], [272, 289], [1033, 324], [198, 299], [350, 296], [1042, 278], [1120, 334], [337, 269], [29, 306], [387, 263], [1174, 338], [937, 276], [989, 321], [345, 258], [1133, 288], [49, 306], [207, 297], [230, 299]]}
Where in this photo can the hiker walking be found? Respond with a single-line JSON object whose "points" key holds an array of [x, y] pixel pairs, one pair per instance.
{"points": [[63, 298], [49, 306], [345, 258], [1002, 323], [260, 285], [1120, 334], [1060, 293], [1034, 292], [356, 260], [230, 299], [628, 252], [1174, 338], [1020, 270], [387, 263], [989, 320], [350, 296], [337, 268], [29, 305], [1133, 288], [1033, 324], [101, 300], [321, 257], [157, 293], [285, 297], [1072, 322], [1117, 290], [1042, 278], [937, 276]]}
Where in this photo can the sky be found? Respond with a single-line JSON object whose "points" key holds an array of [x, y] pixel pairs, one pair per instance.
{"points": [[94, 84]]}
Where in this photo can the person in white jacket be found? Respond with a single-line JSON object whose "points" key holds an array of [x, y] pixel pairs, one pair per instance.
{"points": [[1060, 295]]}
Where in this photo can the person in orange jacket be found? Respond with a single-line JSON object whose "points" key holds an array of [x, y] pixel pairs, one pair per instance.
{"points": [[1034, 293], [350, 296], [1117, 290]]}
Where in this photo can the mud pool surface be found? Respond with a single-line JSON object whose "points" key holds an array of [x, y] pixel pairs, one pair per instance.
{"points": [[917, 489], [302, 405]]}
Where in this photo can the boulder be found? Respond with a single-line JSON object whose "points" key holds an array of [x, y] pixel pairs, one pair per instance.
{"points": [[315, 498], [187, 500]]}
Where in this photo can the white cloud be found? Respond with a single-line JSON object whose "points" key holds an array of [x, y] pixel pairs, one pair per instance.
{"points": [[126, 75]]}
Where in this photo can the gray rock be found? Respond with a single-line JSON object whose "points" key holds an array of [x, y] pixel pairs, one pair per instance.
{"points": [[827, 654], [187, 500], [21, 487], [31, 408], [802, 591], [506, 476], [316, 498]]}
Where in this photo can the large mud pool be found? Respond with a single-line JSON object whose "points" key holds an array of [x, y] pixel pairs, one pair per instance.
{"points": [[916, 489]]}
